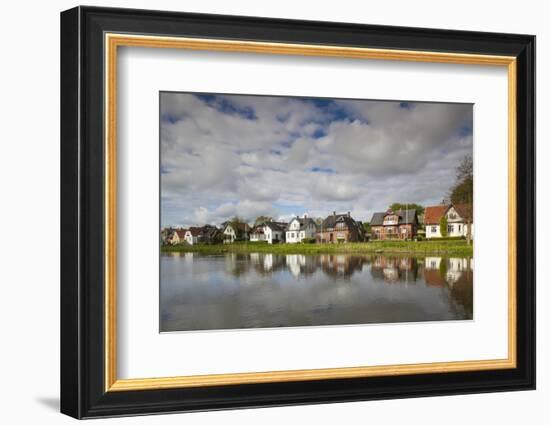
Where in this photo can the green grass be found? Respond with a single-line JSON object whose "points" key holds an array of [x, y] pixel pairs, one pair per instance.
{"points": [[454, 247]]}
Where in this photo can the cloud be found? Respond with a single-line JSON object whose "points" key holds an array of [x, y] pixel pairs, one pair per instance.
{"points": [[255, 155]]}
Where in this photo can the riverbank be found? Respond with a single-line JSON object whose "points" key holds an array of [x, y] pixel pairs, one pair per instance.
{"points": [[449, 247]]}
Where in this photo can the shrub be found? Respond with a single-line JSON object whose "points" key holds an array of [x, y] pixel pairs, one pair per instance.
{"points": [[308, 240], [443, 226]]}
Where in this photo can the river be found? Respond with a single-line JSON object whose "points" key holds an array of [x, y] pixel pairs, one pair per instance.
{"points": [[237, 291]]}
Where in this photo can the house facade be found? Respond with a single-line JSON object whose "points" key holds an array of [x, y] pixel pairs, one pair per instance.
{"points": [[459, 220], [337, 228], [300, 228], [175, 236], [193, 235], [270, 232], [401, 224]]}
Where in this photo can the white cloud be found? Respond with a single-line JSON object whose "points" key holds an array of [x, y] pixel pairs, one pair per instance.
{"points": [[297, 156]]}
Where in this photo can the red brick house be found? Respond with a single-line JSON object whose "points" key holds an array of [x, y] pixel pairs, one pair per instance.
{"points": [[339, 228], [394, 225]]}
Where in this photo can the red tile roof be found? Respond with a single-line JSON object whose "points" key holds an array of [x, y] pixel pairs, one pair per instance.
{"points": [[195, 231], [432, 215], [181, 233]]}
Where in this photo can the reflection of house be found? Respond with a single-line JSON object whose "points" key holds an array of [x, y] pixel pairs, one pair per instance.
{"points": [[339, 228], [394, 225], [394, 269], [459, 219], [300, 228], [439, 271], [235, 231], [341, 265]]}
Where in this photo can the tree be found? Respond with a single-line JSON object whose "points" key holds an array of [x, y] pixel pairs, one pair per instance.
{"points": [[396, 206], [443, 226], [463, 190], [238, 226], [366, 227], [262, 219]]}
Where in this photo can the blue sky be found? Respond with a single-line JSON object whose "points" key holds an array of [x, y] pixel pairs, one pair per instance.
{"points": [[227, 155]]}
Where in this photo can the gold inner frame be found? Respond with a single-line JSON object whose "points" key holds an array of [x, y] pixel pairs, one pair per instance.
{"points": [[113, 41]]}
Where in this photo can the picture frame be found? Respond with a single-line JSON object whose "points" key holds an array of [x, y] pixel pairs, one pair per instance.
{"points": [[90, 40]]}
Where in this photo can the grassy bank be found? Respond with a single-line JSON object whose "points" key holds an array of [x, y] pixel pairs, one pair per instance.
{"points": [[455, 247]]}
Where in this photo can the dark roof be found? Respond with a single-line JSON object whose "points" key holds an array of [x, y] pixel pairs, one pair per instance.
{"points": [[303, 222], [464, 211], [332, 219], [405, 217], [274, 225], [377, 219]]}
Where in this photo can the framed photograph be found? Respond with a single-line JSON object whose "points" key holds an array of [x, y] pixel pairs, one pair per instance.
{"points": [[261, 212]]}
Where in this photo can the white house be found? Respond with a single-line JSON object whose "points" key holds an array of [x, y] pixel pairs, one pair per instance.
{"points": [[299, 229], [459, 220], [192, 235], [270, 232]]}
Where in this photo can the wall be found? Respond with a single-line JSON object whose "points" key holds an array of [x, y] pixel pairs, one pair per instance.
{"points": [[29, 172]]}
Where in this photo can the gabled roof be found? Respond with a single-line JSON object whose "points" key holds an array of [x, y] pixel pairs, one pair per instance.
{"points": [[195, 231], [332, 219], [303, 222], [465, 211], [180, 232], [274, 225], [433, 214], [377, 219], [405, 217]]}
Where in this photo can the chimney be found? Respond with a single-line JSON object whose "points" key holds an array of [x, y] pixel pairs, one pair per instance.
{"points": [[334, 213], [305, 215], [349, 214]]}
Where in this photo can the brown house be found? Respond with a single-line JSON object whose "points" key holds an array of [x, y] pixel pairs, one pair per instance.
{"points": [[394, 225], [339, 228]]}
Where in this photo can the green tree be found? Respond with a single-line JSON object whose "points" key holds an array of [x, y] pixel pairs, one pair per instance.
{"points": [[239, 226], [443, 226], [366, 227], [462, 191], [396, 206], [262, 219]]}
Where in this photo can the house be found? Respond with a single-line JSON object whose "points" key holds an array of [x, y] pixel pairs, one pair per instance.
{"points": [[402, 224], [175, 236], [339, 228], [299, 229], [211, 234], [193, 235], [235, 231], [269, 231], [459, 220]]}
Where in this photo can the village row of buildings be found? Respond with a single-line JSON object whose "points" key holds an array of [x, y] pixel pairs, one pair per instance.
{"points": [[335, 228]]}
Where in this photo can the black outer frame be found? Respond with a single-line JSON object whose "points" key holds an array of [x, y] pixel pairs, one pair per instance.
{"points": [[82, 208]]}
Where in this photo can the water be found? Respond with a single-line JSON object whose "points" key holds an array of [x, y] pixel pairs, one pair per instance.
{"points": [[236, 291]]}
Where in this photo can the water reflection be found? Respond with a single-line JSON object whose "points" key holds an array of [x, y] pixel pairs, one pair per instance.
{"points": [[231, 291]]}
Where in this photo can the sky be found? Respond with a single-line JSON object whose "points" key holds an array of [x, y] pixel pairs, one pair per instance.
{"points": [[241, 155]]}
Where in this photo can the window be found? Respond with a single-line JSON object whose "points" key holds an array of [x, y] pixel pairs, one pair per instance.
{"points": [[460, 228], [434, 229], [450, 228]]}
